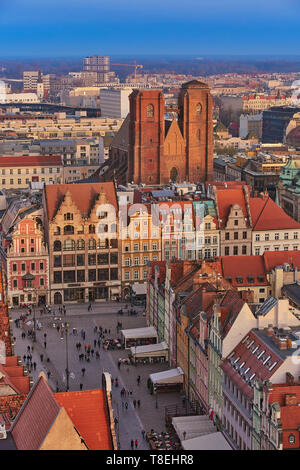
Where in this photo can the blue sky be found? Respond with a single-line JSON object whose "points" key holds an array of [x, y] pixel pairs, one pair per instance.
{"points": [[57, 28]]}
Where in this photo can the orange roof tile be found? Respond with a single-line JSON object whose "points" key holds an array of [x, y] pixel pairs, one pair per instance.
{"points": [[267, 215], [225, 198], [244, 267], [278, 258], [82, 194], [87, 410]]}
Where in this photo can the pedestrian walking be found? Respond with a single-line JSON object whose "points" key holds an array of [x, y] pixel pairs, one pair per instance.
{"points": [[81, 386], [138, 403], [95, 343], [24, 358], [132, 444], [42, 357], [134, 403], [28, 348], [126, 405], [138, 379], [83, 371], [48, 374], [34, 365], [122, 405], [45, 344], [143, 433], [136, 443], [45, 336]]}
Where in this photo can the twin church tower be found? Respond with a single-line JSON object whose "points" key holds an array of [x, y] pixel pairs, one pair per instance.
{"points": [[157, 150]]}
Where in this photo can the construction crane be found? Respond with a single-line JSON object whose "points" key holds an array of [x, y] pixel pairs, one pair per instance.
{"points": [[135, 65]]}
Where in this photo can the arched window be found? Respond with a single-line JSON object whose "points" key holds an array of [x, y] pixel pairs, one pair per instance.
{"points": [[198, 135], [173, 174], [80, 244], [150, 110], [92, 244], [91, 228], [198, 109], [69, 245], [57, 245], [68, 229]]}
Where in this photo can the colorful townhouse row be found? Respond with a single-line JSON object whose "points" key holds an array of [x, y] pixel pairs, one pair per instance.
{"points": [[56, 256], [234, 347]]}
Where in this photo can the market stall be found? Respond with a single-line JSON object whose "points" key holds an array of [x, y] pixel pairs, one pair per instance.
{"points": [[151, 353], [168, 380], [139, 337]]}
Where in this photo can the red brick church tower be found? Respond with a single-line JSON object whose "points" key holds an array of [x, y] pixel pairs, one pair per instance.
{"points": [[161, 151]]}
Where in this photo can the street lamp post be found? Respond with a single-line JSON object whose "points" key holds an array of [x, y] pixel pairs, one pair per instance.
{"points": [[67, 360]]}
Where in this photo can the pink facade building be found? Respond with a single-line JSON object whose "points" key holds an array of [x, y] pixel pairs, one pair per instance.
{"points": [[27, 265]]}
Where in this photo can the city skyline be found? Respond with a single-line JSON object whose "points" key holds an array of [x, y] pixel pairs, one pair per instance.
{"points": [[51, 29]]}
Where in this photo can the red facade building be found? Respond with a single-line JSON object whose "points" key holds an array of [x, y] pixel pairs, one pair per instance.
{"points": [[179, 150], [27, 265]]}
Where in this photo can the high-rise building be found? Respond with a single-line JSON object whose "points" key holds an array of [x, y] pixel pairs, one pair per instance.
{"points": [[98, 64], [30, 80], [115, 103]]}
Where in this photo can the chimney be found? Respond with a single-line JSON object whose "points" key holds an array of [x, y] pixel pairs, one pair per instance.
{"points": [[270, 330], [283, 343], [291, 399]]}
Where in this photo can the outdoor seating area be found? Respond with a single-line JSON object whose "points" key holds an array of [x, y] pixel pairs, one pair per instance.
{"points": [[162, 441], [111, 343]]}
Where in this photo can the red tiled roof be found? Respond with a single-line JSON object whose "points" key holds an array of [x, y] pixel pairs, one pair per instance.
{"points": [[278, 258], [267, 215], [231, 305], [225, 198], [290, 417], [251, 360], [244, 267], [279, 391], [35, 417], [82, 194], [87, 410], [30, 160]]}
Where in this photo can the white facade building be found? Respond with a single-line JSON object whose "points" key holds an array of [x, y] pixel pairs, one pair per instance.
{"points": [[115, 103]]}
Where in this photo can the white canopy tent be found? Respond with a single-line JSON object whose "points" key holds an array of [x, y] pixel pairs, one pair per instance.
{"points": [[212, 441], [137, 334], [167, 376], [189, 427], [150, 350]]}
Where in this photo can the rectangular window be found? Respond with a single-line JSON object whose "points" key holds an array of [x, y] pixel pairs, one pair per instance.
{"points": [[235, 250], [244, 235], [92, 275], [267, 237], [136, 275], [295, 235], [69, 276], [80, 260], [226, 235], [81, 275], [257, 251], [114, 275], [286, 236], [92, 259], [57, 277], [226, 250], [127, 275], [103, 275], [257, 237], [276, 236], [68, 260]]}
